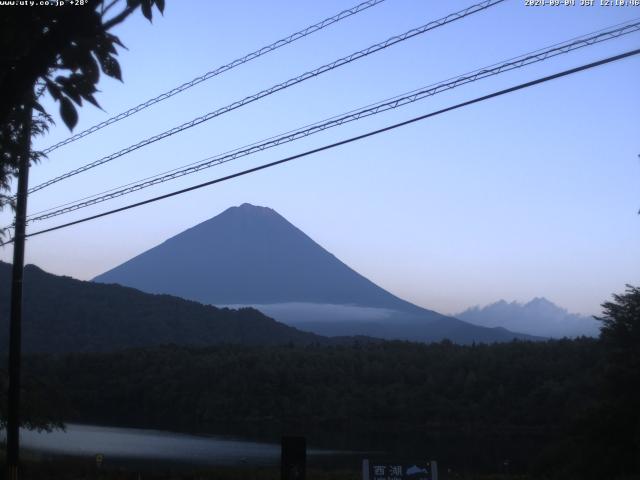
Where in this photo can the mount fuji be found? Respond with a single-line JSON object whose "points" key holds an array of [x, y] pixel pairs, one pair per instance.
{"points": [[252, 256]]}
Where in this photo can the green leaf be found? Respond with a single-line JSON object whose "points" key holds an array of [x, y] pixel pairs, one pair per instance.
{"points": [[73, 57], [113, 39], [90, 68], [91, 99], [68, 113], [53, 89], [146, 9], [160, 5], [39, 108], [111, 67], [69, 88]]}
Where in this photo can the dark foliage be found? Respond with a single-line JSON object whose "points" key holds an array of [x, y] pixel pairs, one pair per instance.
{"points": [[612, 429], [404, 385], [529, 389], [574, 400], [58, 50], [66, 315], [578, 398]]}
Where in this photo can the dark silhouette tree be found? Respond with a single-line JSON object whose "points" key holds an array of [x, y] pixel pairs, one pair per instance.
{"points": [[60, 51], [620, 412], [607, 435], [621, 322]]}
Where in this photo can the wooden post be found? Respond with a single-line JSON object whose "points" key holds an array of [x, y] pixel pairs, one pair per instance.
{"points": [[15, 325], [293, 461]]}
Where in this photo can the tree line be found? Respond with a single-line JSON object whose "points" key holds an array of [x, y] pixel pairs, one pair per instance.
{"points": [[578, 397]]}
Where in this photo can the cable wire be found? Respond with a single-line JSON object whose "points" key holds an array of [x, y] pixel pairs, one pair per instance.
{"points": [[385, 105], [281, 86], [219, 70], [346, 141], [580, 37]]}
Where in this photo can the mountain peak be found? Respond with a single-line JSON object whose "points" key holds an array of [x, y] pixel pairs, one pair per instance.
{"points": [[248, 207], [542, 304], [540, 301], [539, 317], [249, 255], [247, 211]]}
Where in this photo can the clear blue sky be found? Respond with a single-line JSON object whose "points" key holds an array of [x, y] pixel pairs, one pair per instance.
{"points": [[533, 194]]}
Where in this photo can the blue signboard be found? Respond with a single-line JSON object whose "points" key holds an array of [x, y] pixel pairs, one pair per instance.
{"points": [[384, 470]]}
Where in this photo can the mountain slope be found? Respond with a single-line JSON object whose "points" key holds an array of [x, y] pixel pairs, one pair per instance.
{"points": [[537, 317], [61, 314], [251, 255]]}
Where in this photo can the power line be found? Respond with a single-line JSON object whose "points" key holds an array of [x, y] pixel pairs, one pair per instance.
{"points": [[346, 141], [385, 105], [620, 29], [516, 62], [219, 70], [281, 86]]}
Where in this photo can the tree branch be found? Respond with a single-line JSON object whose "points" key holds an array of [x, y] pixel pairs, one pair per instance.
{"points": [[121, 17], [108, 7]]}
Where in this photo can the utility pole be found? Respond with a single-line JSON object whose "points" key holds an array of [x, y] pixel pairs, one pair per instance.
{"points": [[15, 325]]}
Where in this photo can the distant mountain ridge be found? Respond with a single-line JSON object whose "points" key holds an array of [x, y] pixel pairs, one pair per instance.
{"points": [[61, 315], [250, 255], [536, 317]]}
